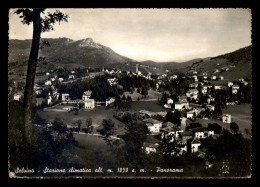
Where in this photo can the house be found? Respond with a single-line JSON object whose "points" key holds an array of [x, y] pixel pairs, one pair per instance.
{"points": [[204, 89], [195, 77], [205, 77], [217, 87], [226, 118], [60, 79], [88, 103], [170, 129], [52, 79], [221, 77], [153, 125], [173, 77], [181, 106], [194, 85], [202, 132], [169, 101], [71, 77], [38, 91], [18, 96], [110, 100], [190, 115], [65, 97], [112, 81], [193, 94], [210, 99], [48, 100], [235, 89], [150, 147], [210, 107], [47, 82], [213, 77], [230, 84], [195, 144], [47, 73]]}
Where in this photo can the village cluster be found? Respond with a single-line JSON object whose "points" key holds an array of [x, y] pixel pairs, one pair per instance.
{"points": [[187, 140]]}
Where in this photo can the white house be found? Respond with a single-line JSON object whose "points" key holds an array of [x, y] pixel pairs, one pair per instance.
{"points": [[169, 101], [195, 144], [190, 115], [213, 77], [65, 97], [153, 125], [210, 107], [110, 100], [173, 77], [235, 89], [18, 96], [48, 100], [230, 84], [181, 106], [60, 79], [195, 77], [170, 129], [71, 77], [202, 132], [221, 77], [88, 103], [150, 147], [47, 82], [47, 73], [226, 118], [217, 87], [112, 81]]}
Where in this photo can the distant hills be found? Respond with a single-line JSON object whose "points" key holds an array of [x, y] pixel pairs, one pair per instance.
{"points": [[64, 52]]}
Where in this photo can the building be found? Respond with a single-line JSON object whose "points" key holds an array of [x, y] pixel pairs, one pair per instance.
{"points": [[235, 89], [230, 84], [65, 97], [88, 103], [48, 100], [150, 147], [221, 77], [217, 87], [185, 136], [18, 96], [169, 101], [110, 101], [195, 77], [181, 106], [153, 125], [47, 83], [60, 79], [195, 144], [190, 114], [170, 129], [226, 118], [213, 77], [202, 132], [113, 81], [173, 77]]}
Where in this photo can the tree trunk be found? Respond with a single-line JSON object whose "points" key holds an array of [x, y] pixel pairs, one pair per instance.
{"points": [[31, 71]]}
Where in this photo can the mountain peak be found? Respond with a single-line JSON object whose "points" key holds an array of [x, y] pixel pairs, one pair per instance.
{"points": [[89, 42]]}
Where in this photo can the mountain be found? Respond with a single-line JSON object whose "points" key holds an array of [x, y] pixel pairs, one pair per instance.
{"points": [[66, 52]]}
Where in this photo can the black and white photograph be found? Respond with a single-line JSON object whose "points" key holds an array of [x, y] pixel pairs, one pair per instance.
{"points": [[130, 93]]}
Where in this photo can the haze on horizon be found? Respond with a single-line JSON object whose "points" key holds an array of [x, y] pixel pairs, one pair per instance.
{"points": [[161, 35]]}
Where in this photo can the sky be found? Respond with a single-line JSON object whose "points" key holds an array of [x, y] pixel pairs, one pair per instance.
{"points": [[161, 35]]}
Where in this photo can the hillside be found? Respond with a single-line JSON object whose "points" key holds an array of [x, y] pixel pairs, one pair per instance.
{"points": [[238, 63]]}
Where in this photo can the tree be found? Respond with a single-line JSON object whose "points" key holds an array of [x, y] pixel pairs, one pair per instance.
{"points": [[40, 24], [108, 127], [234, 127], [79, 123], [174, 117]]}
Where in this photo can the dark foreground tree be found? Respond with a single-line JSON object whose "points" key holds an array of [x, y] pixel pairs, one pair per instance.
{"points": [[41, 24]]}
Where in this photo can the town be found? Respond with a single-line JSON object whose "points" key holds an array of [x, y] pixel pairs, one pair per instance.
{"points": [[182, 109]]}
